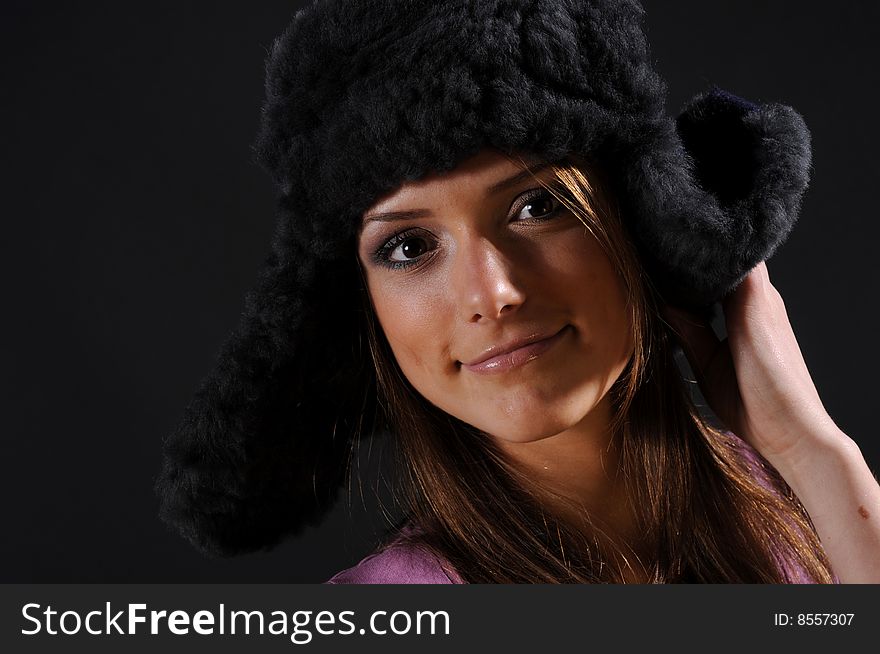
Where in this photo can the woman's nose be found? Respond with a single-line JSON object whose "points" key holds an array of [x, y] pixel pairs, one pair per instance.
{"points": [[485, 281]]}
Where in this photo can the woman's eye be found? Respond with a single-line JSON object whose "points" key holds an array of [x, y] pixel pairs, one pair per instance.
{"points": [[409, 248], [538, 204], [403, 250]]}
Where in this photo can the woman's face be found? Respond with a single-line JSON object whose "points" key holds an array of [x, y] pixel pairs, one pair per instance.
{"points": [[466, 267]]}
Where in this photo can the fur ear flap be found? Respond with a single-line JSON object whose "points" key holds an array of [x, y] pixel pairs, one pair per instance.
{"points": [[262, 448], [742, 149], [754, 160], [714, 193]]}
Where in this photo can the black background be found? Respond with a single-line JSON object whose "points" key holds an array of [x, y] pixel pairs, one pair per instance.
{"points": [[134, 222]]}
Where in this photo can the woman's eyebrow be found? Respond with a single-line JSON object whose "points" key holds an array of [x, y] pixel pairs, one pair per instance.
{"points": [[390, 216], [516, 179], [513, 180]]}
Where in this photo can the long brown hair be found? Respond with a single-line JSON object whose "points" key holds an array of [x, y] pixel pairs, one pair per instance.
{"points": [[695, 490]]}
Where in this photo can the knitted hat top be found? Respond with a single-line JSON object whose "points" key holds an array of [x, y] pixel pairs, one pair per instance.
{"points": [[364, 96]]}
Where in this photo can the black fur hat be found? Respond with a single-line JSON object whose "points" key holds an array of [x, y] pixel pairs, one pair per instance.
{"points": [[364, 95]]}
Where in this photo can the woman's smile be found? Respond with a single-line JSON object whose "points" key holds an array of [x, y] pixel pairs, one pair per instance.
{"points": [[513, 357]]}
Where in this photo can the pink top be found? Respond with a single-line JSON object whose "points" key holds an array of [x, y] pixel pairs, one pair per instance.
{"points": [[404, 563], [399, 563]]}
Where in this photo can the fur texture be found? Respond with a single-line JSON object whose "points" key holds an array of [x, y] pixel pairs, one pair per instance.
{"points": [[362, 96]]}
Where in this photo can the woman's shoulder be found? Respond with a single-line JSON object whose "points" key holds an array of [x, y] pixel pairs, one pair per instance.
{"points": [[400, 562]]}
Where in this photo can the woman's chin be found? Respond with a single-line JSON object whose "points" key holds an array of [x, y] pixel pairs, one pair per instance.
{"points": [[524, 430], [533, 417]]}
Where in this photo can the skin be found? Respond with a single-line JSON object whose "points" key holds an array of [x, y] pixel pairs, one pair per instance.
{"points": [[491, 268]]}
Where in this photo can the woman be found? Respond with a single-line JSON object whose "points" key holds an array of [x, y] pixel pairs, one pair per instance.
{"points": [[478, 239]]}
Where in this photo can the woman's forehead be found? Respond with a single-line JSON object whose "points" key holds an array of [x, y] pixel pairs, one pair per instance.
{"points": [[488, 169]]}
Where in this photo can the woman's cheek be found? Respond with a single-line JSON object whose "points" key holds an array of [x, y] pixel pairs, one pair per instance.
{"points": [[414, 329]]}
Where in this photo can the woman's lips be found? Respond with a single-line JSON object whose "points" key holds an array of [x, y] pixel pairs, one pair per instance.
{"points": [[517, 357]]}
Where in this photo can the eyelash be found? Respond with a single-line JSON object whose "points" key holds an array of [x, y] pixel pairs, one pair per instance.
{"points": [[382, 255]]}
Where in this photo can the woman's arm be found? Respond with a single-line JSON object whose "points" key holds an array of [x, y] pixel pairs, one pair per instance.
{"points": [[833, 482], [757, 382]]}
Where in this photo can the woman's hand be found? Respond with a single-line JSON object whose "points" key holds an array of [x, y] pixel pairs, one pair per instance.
{"points": [[755, 380], [757, 383]]}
